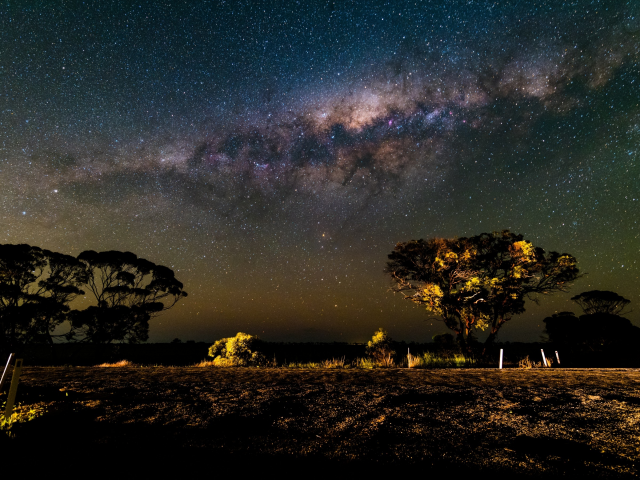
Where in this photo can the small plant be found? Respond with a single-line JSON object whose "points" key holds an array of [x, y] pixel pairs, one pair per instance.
{"points": [[413, 361], [121, 363], [334, 363], [379, 347], [21, 414], [527, 363], [238, 351]]}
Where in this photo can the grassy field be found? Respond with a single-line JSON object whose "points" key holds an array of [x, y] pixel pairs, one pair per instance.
{"points": [[526, 422]]}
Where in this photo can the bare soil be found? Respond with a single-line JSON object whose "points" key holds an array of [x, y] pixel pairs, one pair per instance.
{"points": [[527, 422]]}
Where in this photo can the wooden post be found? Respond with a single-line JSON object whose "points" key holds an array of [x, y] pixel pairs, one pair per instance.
{"points": [[544, 359], [557, 357], [501, 359], [6, 369], [13, 389]]}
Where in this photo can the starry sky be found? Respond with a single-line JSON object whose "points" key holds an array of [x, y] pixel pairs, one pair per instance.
{"points": [[273, 153]]}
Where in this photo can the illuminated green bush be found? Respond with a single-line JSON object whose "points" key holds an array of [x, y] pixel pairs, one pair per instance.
{"points": [[379, 347], [238, 351], [21, 414]]}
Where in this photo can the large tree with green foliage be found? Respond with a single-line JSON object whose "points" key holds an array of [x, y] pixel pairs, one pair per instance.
{"points": [[478, 282], [128, 292]]}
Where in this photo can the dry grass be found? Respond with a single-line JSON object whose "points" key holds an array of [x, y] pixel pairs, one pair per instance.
{"points": [[430, 360], [205, 363], [121, 363], [334, 363], [527, 363], [413, 361]]}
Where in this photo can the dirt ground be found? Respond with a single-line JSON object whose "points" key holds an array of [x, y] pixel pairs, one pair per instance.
{"points": [[526, 422]]}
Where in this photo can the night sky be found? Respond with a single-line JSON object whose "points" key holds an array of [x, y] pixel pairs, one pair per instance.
{"points": [[273, 153]]}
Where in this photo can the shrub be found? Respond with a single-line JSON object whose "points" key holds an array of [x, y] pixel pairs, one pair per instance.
{"points": [[527, 363], [238, 351], [21, 414], [379, 347]]}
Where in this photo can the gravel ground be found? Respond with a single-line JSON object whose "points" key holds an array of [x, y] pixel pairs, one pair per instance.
{"points": [[525, 422]]}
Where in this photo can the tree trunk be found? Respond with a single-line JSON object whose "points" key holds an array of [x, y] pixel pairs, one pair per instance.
{"points": [[489, 341], [462, 342], [497, 323]]}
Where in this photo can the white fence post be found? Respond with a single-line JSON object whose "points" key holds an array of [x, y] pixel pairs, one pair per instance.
{"points": [[6, 369], [11, 398], [557, 357], [501, 359], [544, 359]]}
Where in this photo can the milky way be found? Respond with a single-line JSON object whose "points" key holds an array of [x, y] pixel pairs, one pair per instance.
{"points": [[273, 154]]}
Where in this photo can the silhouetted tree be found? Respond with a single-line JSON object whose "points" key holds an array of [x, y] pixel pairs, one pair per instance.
{"points": [[36, 287], [478, 282], [600, 328], [593, 332], [444, 339], [128, 291], [562, 328], [601, 301]]}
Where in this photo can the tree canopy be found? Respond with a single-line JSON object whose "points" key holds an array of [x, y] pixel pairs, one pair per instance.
{"points": [[36, 287], [128, 291], [601, 326], [591, 332], [601, 301], [478, 282]]}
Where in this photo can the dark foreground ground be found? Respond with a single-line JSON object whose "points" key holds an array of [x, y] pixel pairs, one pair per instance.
{"points": [[538, 423]]}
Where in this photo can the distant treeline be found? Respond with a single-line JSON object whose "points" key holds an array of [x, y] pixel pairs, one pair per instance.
{"points": [[187, 354]]}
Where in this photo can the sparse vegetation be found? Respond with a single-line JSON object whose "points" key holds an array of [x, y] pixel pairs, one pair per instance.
{"points": [[21, 414], [121, 363], [430, 360], [333, 363], [366, 363], [527, 363]]}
